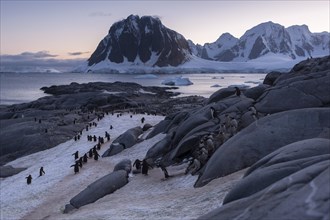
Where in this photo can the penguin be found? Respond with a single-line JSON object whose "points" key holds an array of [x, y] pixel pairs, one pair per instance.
{"points": [[237, 91], [76, 168], [90, 153], [142, 120], [145, 167], [41, 171], [96, 155], [85, 158], [137, 164], [28, 179], [214, 114], [76, 155]]}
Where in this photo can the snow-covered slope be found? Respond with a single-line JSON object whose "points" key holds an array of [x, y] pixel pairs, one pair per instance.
{"points": [[144, 197], [295, 42]]}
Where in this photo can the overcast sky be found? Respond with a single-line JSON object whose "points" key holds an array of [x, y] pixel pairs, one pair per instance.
{"points": [[73, 29]]}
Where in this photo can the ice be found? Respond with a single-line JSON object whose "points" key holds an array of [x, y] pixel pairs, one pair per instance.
{"points": [[177, 81]]}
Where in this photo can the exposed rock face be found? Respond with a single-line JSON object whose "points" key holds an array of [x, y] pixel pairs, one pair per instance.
{"points": [[125, 140], [263, 137], [73, 103], [307, 85], [291, 182], [266, 38], [100, 188], [142, 40]]}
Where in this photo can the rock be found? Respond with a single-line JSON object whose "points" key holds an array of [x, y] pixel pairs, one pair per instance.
{"points": [[125, 164], [159, 128], [279, 164], [263, 137], [256, 92], [100, 188], [6, 171], [296, 90], [271, 77], [304, 194], [221, 94], [68, 208], [146, 127], [125, 140], [160, 148]]}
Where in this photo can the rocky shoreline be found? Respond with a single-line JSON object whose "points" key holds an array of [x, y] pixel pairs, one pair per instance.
{"points": [[42, 124]]}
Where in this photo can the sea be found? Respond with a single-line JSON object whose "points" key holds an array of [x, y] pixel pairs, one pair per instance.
{"points": [[16, 88]]}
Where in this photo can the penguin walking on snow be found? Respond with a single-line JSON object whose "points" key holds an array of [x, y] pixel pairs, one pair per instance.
{"points": [[41, 171], [145, 167], [28, 179]]}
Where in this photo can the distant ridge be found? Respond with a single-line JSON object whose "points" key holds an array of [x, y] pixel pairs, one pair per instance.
{"points": [[266, 38]]}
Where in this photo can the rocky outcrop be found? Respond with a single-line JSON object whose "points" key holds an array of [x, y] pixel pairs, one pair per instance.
{"points": [[263, 137], [100, 188], [67, 110], [291, 182], [125, 140], [141, 40], [8, 170], [125, 164]]}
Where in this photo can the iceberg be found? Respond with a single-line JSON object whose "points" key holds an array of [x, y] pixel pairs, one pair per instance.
{"points": [[177, 81]]}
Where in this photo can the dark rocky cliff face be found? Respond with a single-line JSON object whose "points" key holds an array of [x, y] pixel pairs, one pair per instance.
{"points": [[142, 40]]}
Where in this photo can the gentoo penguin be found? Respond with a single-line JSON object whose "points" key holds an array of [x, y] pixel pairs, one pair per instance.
{"points": [[238, 91]]}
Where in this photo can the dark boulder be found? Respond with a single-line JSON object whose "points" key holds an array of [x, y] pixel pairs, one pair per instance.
{"points": [[6, 171], [125, 164], [279, 164], [100, 188], [263, 137]]}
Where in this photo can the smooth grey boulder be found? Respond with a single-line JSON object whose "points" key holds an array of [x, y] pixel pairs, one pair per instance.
{"points": [[100, 188], [159, 128], [297, 150], [263, 137], [271, 77], [300, 91], [8, 170], [160, 148], [125, 140], [125, 164], [146, 127], [221, 94], [256, 92], [115, 148], [68, 208], [304, 194], [279, 164]]}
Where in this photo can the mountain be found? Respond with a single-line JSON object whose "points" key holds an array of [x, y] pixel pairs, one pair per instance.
{"points": [[144, 45], [145, 41], [295, 42]]}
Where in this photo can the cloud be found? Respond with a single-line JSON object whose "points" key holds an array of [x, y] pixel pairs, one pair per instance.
{"points": [[31, 61], [99, 14], [39, 54], [77, 53]]}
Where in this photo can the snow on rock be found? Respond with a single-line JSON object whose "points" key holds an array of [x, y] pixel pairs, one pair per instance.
{"points": [[177, 81], [146, 76], [144, 197]]}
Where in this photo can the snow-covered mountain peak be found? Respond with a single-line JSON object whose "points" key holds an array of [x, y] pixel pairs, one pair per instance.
{"points": [[140, 41]]}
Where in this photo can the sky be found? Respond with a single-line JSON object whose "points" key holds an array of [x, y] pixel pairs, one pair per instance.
{"points": [[58, 29]]}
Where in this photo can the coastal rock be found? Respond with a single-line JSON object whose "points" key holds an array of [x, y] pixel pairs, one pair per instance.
{"points": [[263, 137], [279, 164], [271, 77], [125, 164], [100, 188], [125, 140], [8, 170], [305, 194], [256, 92]]}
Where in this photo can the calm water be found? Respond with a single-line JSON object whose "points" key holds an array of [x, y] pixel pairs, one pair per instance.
{"points": [[25, 87]]}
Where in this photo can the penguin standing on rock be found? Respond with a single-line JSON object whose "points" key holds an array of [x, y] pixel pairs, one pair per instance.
{"points": [[238, 91]]}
